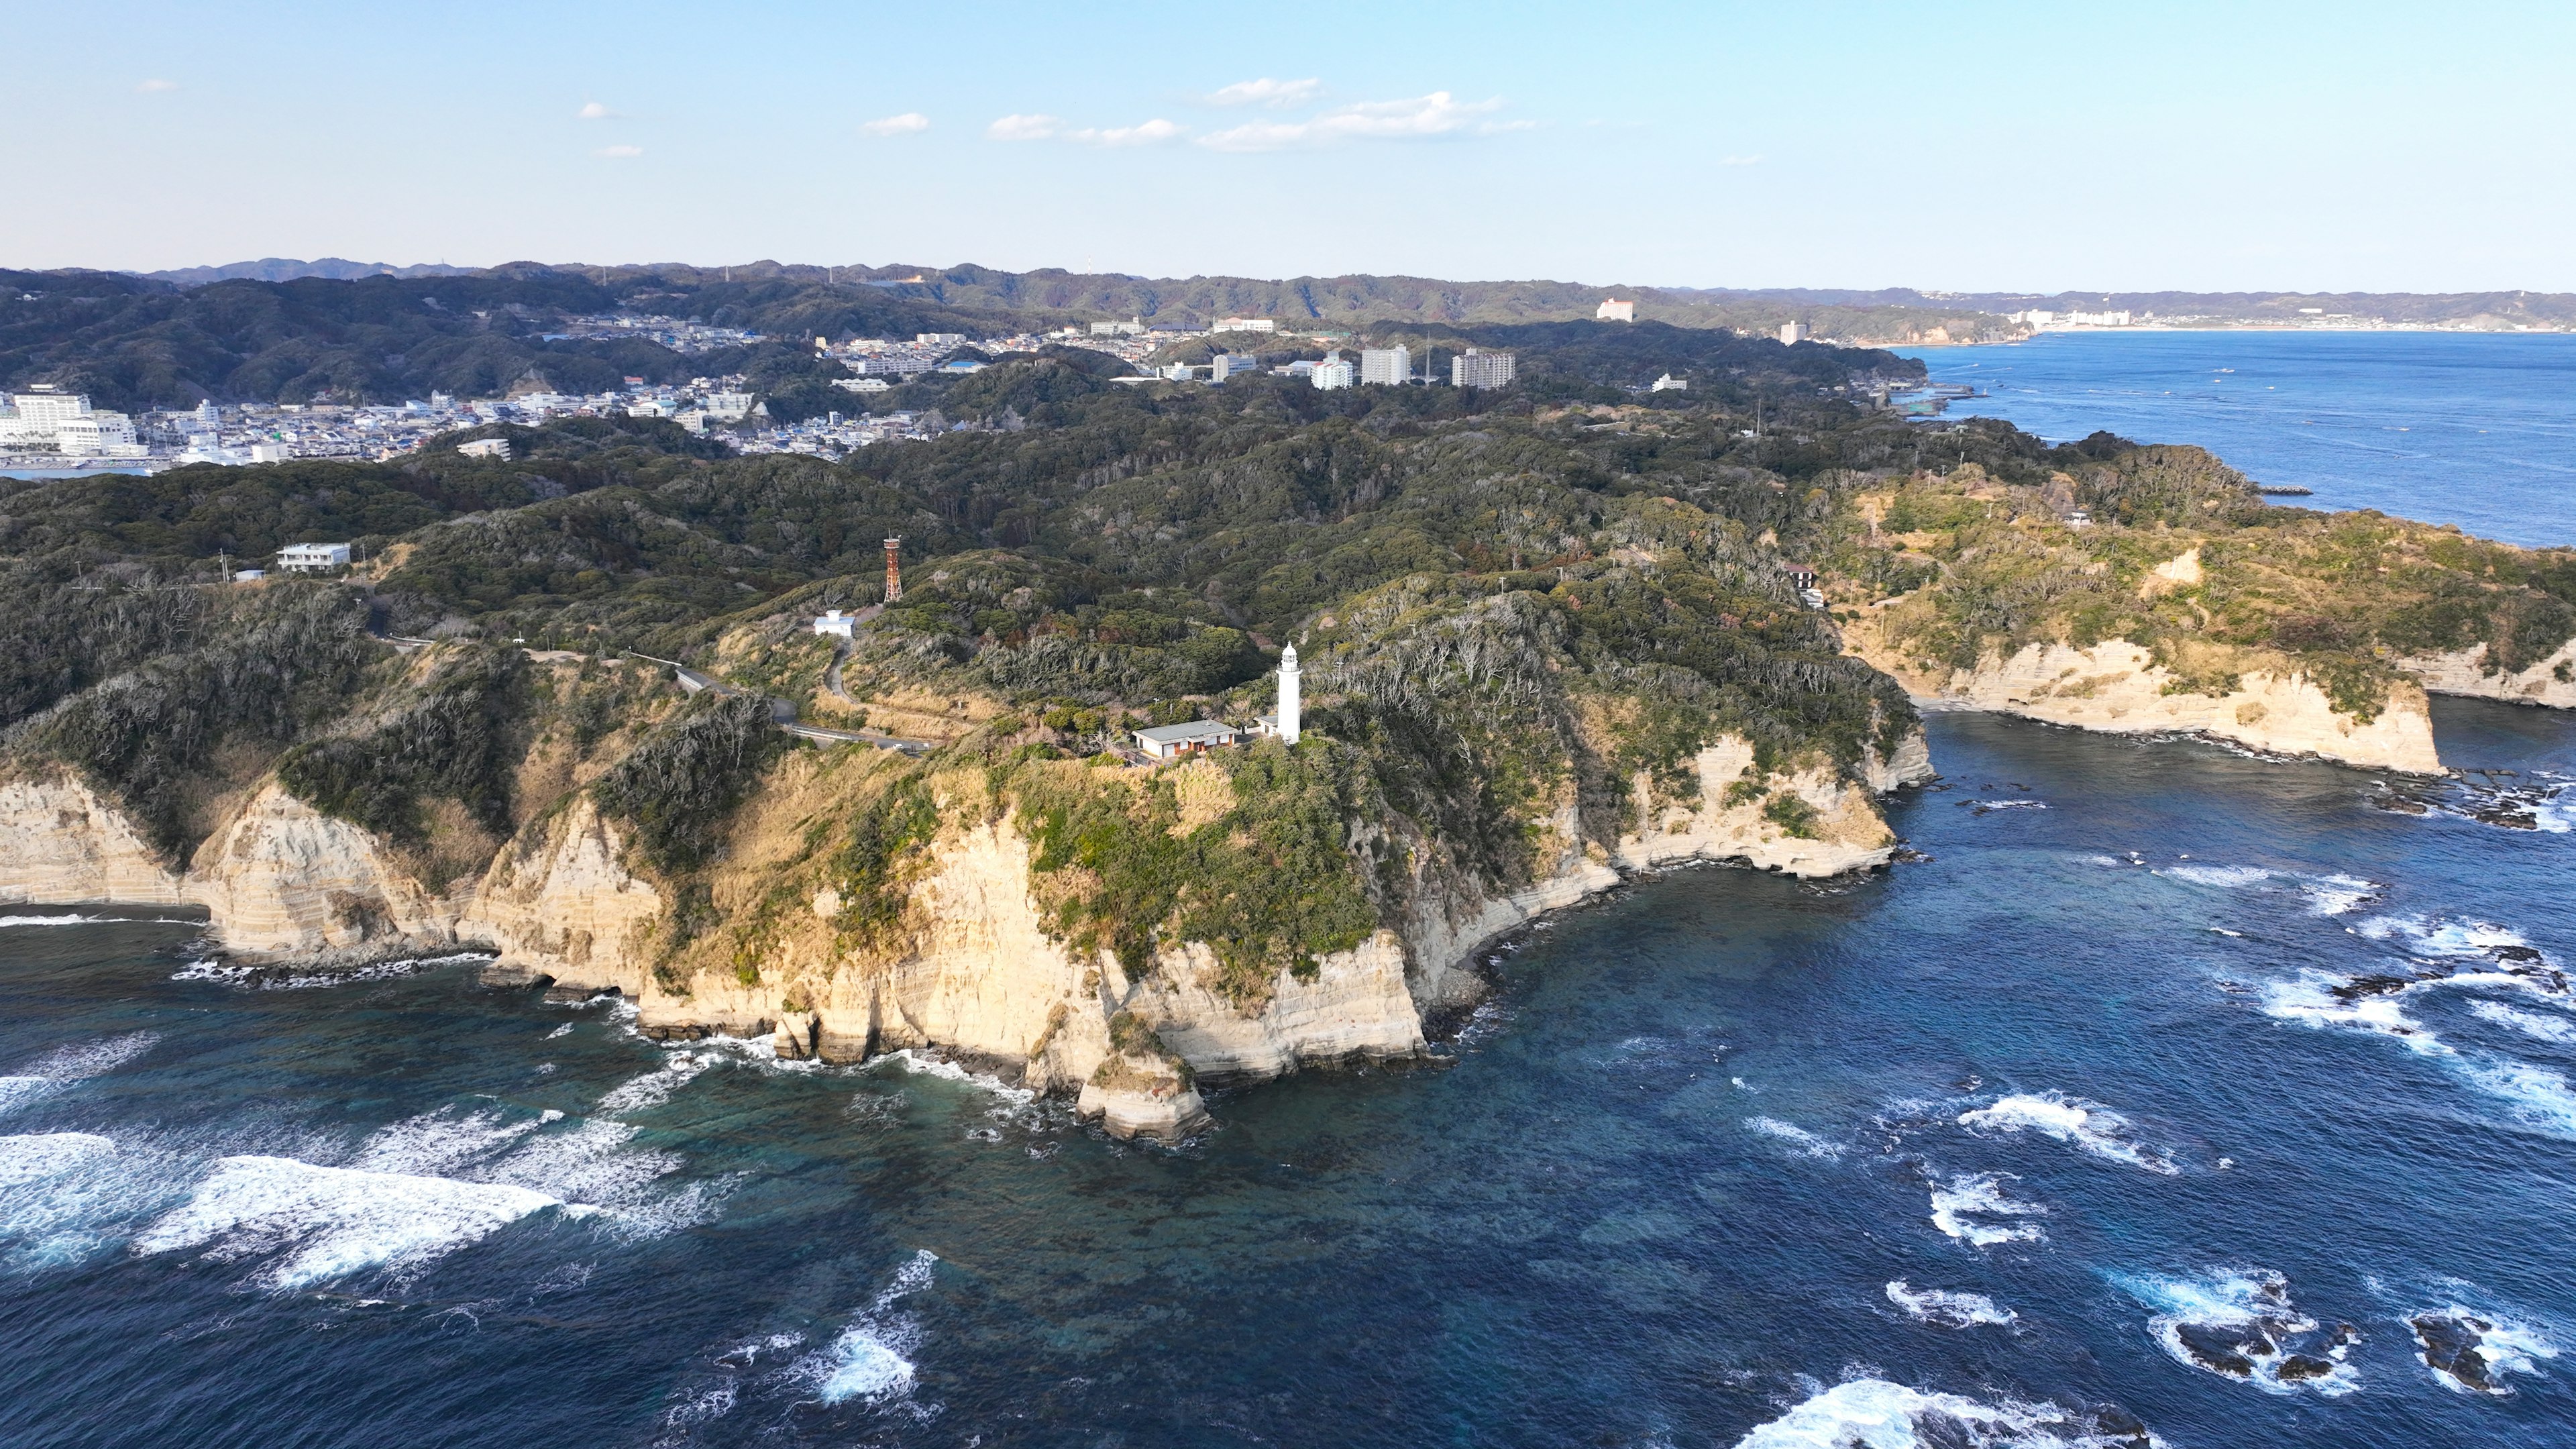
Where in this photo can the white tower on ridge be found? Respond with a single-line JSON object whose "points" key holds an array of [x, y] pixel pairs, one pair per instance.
{"points": [[1288, 694]]}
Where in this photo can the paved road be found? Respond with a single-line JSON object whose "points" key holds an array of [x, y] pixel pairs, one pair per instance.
{"points": [[782, 713]]}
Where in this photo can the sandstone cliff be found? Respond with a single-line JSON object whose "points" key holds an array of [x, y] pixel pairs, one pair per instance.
{"points": [[2550, 682], [2118, 687], [60, 842], [980, 971]]}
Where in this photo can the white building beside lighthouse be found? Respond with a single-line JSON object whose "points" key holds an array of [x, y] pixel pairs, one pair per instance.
{"points": [[1284, 723]]}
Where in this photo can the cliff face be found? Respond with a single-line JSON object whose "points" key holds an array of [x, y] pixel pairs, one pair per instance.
{"points": [[284, 878], [982, 971], [557, 902], [2116, 686], [60, 842], [2552, 681]]}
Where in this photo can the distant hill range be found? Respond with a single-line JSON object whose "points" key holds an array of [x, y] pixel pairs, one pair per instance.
{"points": [[280, 330], [287, 269]]}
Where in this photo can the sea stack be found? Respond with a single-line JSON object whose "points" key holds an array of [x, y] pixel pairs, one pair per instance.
{"points": [[1288, 694]]}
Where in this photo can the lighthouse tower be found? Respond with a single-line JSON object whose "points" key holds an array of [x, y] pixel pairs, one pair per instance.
{"points": [[1288, 695]]}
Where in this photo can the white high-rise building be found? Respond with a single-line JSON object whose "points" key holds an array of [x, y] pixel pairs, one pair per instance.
{"points": [[97, 435], [1227, 364], [1478, 368], [44, 416], [1793, 332], [1391, 366], [1331, 373]]}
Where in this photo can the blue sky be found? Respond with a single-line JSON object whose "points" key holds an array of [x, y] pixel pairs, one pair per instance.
{"points": [[1983, 147]]}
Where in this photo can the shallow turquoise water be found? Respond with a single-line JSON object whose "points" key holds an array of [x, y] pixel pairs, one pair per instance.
{"points": [[1657, 1198], [2477, 429]]}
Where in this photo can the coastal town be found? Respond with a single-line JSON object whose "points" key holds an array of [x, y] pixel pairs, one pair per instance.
{"points": [[48, 431]]}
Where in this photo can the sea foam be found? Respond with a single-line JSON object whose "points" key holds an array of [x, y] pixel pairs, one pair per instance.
{"points": [[1877, 1414], [1975, 1208], [867, 1361], [49, 1073], [2087, 1125], [2529, 1023], [1807, 1143], [1947, 1307], [329, 1222]]}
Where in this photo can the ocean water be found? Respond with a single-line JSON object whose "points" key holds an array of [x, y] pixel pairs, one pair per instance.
{"points": [[1729, 1160], [2477, 429]]}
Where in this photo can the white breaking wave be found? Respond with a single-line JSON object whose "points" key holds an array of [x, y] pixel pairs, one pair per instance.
{"points": [[93, 921], [50, 1072], [868, 1360], [2332, 895], [656, 1086], [93, 1058], [64, 1196], [333, 1221], [1807, 1143], [2499, 1345], [1877, 1414], [2225, 877], [2439, 939], [437, 1143], [2529, 1023], [2088, 1125], [271, 979], [1974, 1208], [2536, 1096], [41, 1155], [1949, 1308], [929, 1066], [2327, 895]]}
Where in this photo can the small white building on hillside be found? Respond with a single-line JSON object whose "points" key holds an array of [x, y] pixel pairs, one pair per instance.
{"points": [[1614, 310], [313, 557], [1170, 742], [836, 623]]}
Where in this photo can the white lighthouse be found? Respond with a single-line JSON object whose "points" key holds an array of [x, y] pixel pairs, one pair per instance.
{"points": [[1288, 694]]}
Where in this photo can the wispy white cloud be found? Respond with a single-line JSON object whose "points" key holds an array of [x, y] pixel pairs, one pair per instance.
{"points": [[1266, 92], [906, 124], [1024, 128], [620, 153], [1144, 133], [154, 87], [1437, 114]]}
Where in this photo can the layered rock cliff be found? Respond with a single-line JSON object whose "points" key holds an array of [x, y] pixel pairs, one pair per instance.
{"points": [[978, 966], [2471, 672], [2117, 686]]}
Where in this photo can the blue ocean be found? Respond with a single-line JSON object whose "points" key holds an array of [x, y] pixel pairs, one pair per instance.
{"points": [[2477, 429], [2175, 1096]]}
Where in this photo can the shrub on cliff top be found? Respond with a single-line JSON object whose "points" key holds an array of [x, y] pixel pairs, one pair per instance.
{"points": [[678, 786], [1269, 884], [451, 738]]}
